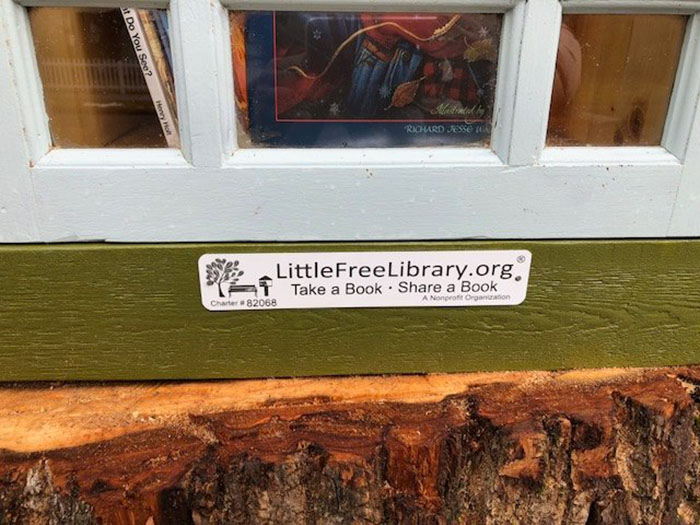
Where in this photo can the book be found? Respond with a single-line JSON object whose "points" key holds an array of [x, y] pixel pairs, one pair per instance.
{"points": [[240, 82], [160, 19], [152, 52], [366, 79]]}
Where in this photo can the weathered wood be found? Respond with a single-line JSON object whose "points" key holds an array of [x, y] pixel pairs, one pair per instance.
{"points": [[584, 447], [134, 312]]}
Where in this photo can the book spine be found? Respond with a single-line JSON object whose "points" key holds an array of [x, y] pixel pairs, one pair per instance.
{"points": [[163, 101], [160, 19]]}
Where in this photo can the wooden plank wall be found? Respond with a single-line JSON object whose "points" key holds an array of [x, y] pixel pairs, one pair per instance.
{"points": [[627, 70], [109, 311]]}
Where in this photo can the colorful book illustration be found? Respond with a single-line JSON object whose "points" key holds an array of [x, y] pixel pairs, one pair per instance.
{"points": [[148, 34], [366, 79]]}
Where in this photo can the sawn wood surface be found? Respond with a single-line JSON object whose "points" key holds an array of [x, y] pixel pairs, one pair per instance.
{"points": [[616, 446]]}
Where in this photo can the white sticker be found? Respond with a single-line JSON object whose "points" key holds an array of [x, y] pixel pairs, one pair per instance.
{"points": [[269, 281]]}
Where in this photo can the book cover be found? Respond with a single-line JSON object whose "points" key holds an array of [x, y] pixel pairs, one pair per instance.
{"points": [[370, 79]]}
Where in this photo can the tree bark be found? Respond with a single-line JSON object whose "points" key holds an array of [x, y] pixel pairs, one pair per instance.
{"points": [[580, 447]]}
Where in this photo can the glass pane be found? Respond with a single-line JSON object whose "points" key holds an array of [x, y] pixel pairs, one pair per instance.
{"points": [[614, 77], [364, 79], [107, 76]]}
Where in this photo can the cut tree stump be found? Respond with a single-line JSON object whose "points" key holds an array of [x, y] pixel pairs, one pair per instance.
{"points": [[617, 446]]}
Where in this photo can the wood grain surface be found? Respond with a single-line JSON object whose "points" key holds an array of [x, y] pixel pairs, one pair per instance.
{"points": [[100, 311], [616, 446], [627, 70]]}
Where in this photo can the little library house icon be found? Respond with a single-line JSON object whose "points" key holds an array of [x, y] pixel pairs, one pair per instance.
{"points": [[265, 284]]}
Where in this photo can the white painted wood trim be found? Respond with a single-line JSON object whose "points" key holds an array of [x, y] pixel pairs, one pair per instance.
{"points": [[522, 138], [415, 158], [108, 158], [685, 221], [429, 6], [631, 6], [17, 204], [28, 84], [597, 156], [225, 80], [506, 79], [196, 43], [212, 191], [686, 90], [369, 201]]}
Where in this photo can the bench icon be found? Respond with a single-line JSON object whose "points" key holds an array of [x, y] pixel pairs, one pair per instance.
{"points": [[242, 288]]}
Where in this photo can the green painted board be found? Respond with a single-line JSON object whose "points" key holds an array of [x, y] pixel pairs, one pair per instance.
{"points": [[116, 311]]}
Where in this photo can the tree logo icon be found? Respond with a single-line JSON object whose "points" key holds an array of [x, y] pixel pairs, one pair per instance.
{"points": [[221, 271]]}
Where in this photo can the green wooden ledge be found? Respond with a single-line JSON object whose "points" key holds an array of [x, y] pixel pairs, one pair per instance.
{"points": [[116, 311]]}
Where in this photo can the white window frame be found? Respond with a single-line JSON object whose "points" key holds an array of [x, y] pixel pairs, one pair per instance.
{"points": [[212, 190]]}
